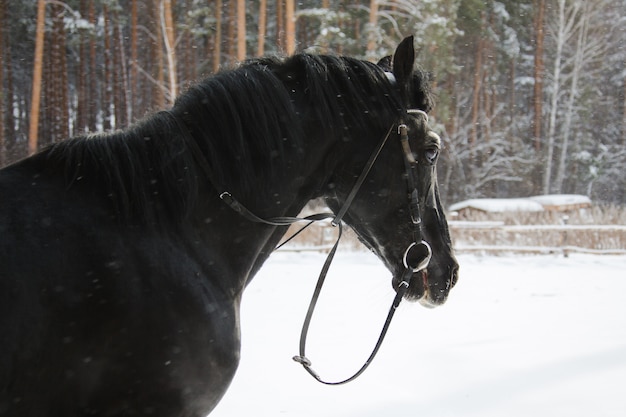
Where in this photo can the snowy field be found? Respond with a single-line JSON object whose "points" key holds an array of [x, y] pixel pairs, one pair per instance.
{"points": [[519, 336]]}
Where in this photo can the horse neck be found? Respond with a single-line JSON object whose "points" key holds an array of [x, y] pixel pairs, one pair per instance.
{"points": [[261, 138], [244, 245]]}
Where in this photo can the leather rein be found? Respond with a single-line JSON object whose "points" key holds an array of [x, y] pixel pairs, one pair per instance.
{"points": [[420, 248]]}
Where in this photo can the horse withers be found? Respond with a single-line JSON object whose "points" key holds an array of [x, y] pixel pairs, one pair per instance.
{"points": [[122, 269]]}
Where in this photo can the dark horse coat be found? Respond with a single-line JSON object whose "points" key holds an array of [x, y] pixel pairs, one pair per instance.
{"points": [[121, 270]]}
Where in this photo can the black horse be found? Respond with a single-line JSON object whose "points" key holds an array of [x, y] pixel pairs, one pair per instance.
{"points": [[122, 269]]}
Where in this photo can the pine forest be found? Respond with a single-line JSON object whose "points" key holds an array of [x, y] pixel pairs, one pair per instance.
{"points": [[531, 94]]}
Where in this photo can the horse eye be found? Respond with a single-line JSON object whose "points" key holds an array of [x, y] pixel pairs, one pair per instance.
{"points": [[431, 154]]}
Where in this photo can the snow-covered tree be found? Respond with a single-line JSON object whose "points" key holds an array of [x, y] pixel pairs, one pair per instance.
{"points": [[578, 33]]}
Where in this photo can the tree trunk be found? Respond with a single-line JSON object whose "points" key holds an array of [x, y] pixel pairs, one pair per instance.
{"points": [[280, 24], [187, 55], [488, 95], [120, 72], [241, 30], [134, 57], [107, 76], [371, 34], [290, 27], [217, 47], [81, 123], [512, 98], [581, 46], [232, 23], [169, 40], [624, 112], [54, 117], [561, 37], [478, 75], [93, 99], [37, 71], [262, 27], [538, 72], [158, 95], [13, 149]]}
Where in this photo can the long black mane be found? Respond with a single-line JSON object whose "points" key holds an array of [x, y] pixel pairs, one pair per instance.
{"points": [[232, 127]]}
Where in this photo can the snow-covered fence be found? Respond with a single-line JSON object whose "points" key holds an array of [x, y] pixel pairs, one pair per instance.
{"points": [[598, 229], [493, 237], [496, 236], [548, 223]]}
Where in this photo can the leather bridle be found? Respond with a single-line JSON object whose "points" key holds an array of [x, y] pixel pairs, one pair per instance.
{"points": [[416, 256]]}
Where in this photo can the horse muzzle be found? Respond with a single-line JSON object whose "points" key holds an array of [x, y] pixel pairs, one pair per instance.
{"points": [[430, 286]]}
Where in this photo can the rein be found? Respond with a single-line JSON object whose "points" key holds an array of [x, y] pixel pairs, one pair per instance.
{"points": [[421, 248]]}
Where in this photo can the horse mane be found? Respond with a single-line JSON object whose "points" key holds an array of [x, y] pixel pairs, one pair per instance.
{"points": [[248, 116], [230, 128], [144, 172]]}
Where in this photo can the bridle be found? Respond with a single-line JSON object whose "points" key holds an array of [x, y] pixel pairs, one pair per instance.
{"points": [[419, 250]]}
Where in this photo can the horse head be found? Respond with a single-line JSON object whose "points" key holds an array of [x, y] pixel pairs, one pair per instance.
{"points": [[397, 211]]}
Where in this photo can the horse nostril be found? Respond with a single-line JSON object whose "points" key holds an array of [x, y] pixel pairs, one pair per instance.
{"points": [[454, 276]]}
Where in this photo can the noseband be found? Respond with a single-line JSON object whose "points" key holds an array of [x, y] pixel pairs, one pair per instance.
{"points": [[416, 256]]}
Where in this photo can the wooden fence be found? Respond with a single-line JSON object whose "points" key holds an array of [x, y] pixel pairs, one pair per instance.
{"points": [[497, 236], [493, 237]]}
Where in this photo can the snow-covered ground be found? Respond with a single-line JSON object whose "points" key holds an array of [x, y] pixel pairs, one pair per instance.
{"points": [[519, 336]]}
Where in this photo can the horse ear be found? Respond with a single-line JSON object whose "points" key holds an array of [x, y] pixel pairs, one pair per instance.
{"points": [[404, 60], [385, 63]]}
